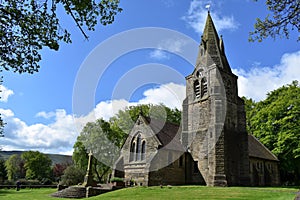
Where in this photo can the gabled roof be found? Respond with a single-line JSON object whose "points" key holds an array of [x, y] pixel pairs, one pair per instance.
{"points": [[167, 133], [258, 150]]}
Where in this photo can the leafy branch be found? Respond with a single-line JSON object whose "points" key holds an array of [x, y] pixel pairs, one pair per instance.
{"points": [[284, 17]]}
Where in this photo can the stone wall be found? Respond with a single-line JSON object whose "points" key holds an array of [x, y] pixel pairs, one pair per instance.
{"points": [[173, 172], [264, 172]]}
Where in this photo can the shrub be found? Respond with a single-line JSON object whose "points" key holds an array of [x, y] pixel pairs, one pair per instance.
{"points": [[72, 176], [117, 179]]}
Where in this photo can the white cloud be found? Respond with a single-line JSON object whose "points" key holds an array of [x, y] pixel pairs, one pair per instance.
{"points": [[170, 94], [46, 115], [172, 45], [55, 137], [258, 81], [159, 54], [60, 136], [5, 93], [196, 17]]}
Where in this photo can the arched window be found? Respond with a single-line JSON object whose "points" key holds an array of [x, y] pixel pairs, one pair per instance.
{"points": [[132, 151], [138, 147], [143, 150], [197, 89], [203, 86]]}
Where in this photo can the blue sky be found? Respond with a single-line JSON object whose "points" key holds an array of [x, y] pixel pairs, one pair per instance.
{"points": [[46, 111]]}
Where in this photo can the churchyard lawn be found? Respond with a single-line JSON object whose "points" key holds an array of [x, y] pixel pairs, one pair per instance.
{"points": [[172, 192]]}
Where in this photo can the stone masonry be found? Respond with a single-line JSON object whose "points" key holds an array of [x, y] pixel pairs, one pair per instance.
{"points": [[214, 128]]}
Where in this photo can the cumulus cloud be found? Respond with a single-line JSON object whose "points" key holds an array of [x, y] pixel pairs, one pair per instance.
{"points": [[60, 136], [159, 54], [170, 94], [46, 115], [56, 137], [197, 13], [5, 93], [172, 45], [258, 81]]}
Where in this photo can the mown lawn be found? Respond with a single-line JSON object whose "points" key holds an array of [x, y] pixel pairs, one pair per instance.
{"points": [[180, 192]]}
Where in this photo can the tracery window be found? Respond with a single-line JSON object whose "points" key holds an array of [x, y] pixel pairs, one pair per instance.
{"points": [[132, 151], [143, 150], [137, 148]]}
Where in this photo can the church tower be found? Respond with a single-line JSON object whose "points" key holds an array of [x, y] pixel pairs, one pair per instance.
{"points": [[213, 117]]}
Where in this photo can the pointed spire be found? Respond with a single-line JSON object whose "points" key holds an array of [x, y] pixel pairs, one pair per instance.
{"points": [[209, 29], [213, 46]]}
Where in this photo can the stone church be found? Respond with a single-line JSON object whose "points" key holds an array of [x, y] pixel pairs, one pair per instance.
{"points": [[212, 146]]}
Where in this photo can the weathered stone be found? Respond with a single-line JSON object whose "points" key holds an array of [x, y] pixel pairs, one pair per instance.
{"points": [[212, 146]]}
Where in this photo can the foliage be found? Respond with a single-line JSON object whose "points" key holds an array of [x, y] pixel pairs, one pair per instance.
{"points": [[275, 122], [117, 179], [80, 158], [37, 165], [125, 119], [29, 25], [72, 176], [29, 182], [285, 16], [104, 142], [1, 120], [3, 173], [58, 170], [15, 167], [80, 155], [105, 139]]}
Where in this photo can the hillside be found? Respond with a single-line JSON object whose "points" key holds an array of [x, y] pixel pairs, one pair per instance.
{"points": [[56, 158]]}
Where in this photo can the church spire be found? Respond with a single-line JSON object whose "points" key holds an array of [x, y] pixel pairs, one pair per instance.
{"points": [[212, 47]]}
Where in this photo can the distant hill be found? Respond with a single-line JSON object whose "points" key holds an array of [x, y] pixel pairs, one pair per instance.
{"points": [[56, 158]]}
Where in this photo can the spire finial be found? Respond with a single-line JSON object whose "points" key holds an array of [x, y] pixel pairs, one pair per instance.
{"points": [[208, 8]]}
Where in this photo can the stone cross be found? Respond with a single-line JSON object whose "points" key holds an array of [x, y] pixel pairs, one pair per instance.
{"points": [[88, 179]]}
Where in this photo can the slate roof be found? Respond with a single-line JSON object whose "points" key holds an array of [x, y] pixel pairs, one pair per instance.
{"points": [[258, 150], [167, 133]]}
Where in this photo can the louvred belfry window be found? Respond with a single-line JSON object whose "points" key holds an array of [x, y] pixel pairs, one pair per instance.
{"points": [[197, 89]]}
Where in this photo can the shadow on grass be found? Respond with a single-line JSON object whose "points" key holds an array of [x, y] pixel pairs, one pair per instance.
{"points": [[6, 192]]}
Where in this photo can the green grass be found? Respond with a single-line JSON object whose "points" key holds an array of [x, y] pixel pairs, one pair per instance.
{"points": [[174, 192], [27, 194]]}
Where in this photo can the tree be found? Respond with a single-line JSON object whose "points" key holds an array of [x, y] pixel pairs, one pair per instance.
{"points": [[72, 176], [250, 112], [15, 167], [285, 16], [37, 165], [275, 122], [105, 139], [99, 138], [26, 26], [1, 120], [3, 173], [125, 119], [58, 170], [80, 155]]}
